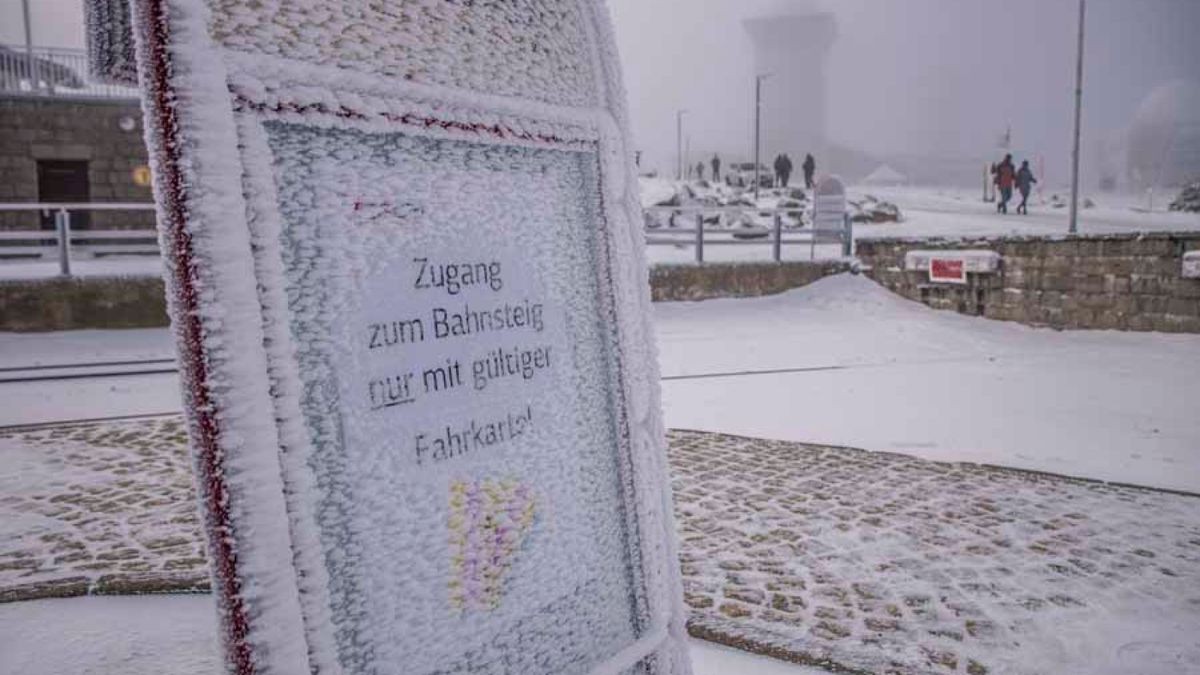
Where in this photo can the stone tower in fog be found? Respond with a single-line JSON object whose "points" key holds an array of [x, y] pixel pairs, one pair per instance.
{"points": [[792, 47]]}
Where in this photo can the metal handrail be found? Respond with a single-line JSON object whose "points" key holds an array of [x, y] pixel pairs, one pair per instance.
{"points": [[54, 72], [62, 225], [656, 236]]}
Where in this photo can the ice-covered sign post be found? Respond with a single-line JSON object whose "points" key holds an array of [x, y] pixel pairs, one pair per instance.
{"points": [[406, 276]]}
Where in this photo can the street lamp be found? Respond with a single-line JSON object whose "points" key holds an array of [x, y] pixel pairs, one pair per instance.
{"points": [[679, 143], [1073, 227], [758, 80]]}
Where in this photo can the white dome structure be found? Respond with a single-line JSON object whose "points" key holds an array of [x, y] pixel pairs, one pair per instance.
{"points": [[1164, 138], [885, 176]]}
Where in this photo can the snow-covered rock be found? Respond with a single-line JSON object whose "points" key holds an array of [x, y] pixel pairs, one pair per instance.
{"points": [[1188, 199]]}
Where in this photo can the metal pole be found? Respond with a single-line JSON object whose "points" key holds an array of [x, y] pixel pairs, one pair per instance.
{"points": [[699, 237], [62, 223], [847, 236], [679, 144], [778, 243], [29, 62], [757, 124], [1074, 222]]}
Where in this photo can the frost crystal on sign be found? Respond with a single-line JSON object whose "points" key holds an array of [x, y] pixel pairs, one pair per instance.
{"points": [[530, 48], [445, 303]]}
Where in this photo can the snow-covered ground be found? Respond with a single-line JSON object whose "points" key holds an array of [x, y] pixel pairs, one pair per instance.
{"points": [[176, 634], [945, 212], [138, 266], [879, 372], [865, 369], [952, 212], [884, 373]]}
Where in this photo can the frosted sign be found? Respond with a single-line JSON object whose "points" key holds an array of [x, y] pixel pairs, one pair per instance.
{"points": [[410, 297]]}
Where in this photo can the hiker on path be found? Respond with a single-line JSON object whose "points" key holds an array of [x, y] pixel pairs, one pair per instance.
{"points": [[1025, 181], [810, 168], [1006, 175]]}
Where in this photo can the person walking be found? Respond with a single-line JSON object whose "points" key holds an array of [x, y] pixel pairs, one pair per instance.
{"points": [[1025, 181], [716, 167], [699, 170], [778, 166], [1006, 175], [786, 174], [810, 168]]}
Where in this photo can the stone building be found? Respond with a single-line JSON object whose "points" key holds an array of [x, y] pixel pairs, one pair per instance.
{"points": [[65, 140]]}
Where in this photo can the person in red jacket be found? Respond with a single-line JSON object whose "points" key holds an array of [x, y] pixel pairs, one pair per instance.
{"points": [[1006, 175]]}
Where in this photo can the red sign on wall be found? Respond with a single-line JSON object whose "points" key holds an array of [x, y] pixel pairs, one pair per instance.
{"points": [[947, 271]]}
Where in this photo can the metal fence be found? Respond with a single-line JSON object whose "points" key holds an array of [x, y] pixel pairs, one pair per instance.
{"points": [[62, 240], [698, 235], [52, 71]]}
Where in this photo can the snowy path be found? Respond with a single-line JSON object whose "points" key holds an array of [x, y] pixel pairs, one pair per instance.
{"points": [[890, 374], [885, 563], [817, 554], [152, 635], [930, 212]]}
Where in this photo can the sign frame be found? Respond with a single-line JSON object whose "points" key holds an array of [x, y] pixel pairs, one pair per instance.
{"points": [[204, 104], [948, 270]]}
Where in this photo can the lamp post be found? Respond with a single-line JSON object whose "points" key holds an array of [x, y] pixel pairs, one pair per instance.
{"points": [[679, 143], [1073, 227], [30, 64], [758, 80]]}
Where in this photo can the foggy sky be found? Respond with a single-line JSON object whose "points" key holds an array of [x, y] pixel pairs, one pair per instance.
{"points": [[934, 78]]}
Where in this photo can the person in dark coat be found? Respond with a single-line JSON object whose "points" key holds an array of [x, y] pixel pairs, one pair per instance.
{"points": [[699, 170], [1025, 181], [716, 167], [810, 168], [780, 170], [1006, 176], [786, 174]]}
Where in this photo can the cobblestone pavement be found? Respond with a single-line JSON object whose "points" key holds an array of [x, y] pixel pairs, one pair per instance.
{"points": [[885, 563], [98, 508], [857, 561]]}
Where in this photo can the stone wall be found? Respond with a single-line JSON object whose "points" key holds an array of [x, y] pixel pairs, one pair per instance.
{"points": [[74, 304], [730, 280], [138, 302], [33, 129], [1120, 281]]}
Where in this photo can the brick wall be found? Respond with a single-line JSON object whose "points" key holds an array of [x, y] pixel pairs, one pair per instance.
{"points": [[1122, 282], [33, 129]]}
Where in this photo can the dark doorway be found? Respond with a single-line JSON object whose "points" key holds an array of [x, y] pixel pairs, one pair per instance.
{"points": [[61, 180]]}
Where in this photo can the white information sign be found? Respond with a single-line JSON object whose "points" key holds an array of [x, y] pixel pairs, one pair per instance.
{"points": [[410, 303]]}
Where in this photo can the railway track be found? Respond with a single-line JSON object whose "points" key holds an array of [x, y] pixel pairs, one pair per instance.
{"points": [[80, 371]]}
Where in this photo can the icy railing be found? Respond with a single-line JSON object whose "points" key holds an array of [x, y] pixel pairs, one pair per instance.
{"points": [[52, 71]]}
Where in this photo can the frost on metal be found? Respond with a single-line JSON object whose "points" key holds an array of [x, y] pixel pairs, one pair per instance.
{"points": [[407, 281], [110, 41]]}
